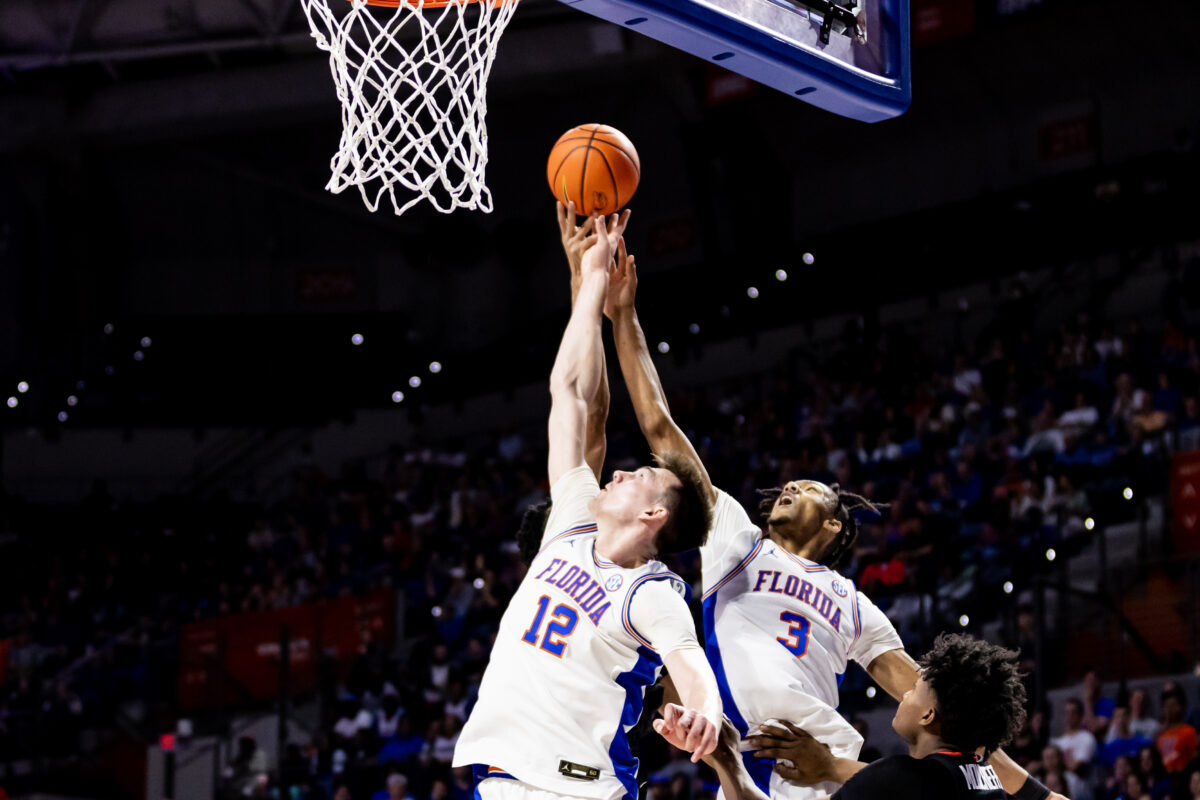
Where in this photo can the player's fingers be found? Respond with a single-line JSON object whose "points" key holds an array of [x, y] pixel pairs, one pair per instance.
{"points": [[623, 221], [788, 773], [708, 742], [796, 731], [622, 253], [671, 713], [770, 752], [571, 212]]}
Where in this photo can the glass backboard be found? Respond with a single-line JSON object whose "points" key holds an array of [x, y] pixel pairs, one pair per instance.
{"points": [[846, 56]]}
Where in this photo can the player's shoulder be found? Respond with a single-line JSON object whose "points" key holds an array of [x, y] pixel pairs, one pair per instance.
{"points": [[898, 777]]}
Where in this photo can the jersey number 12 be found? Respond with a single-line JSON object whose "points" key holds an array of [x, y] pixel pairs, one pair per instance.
{"points": [[562, 624]]}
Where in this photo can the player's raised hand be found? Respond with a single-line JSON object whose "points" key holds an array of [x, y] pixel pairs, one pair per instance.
{"points": [[811, 761], [622, 284], [574, 238], [614, 227], [598, 249]]}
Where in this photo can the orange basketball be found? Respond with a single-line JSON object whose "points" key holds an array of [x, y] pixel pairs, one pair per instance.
{"points": [[596, 166]]}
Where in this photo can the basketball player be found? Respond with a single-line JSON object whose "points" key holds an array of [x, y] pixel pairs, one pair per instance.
{"points": [[596, 616], [780, 623], [968, 701]]}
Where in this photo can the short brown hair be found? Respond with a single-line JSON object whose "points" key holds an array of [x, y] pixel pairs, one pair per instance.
{"points": [[689, 514]]}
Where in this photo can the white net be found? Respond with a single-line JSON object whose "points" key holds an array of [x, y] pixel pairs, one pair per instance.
{"points": [[412, 83]]}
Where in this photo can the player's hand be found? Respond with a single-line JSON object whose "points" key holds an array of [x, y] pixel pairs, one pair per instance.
{"points": [[614, 227], [573, 239], [622, 285], [688, 730], [598, 248], [811, 761]]}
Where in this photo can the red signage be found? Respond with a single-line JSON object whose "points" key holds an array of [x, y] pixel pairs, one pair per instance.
{"points": [[1185, 502], [936, 21], [235, 659], [1068, 137]]}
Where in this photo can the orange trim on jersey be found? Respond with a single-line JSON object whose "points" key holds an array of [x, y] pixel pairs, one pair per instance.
{"points": [[658, 576], [587, 527], [804, 563], [741, 566], [854, 612], [602, 562]]}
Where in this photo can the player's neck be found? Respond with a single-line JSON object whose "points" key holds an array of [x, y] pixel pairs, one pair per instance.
{"points": [[927, 744], [622, 546], [806, 547]]}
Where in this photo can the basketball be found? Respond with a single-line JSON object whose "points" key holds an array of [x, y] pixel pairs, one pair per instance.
{"points": [[596, 166]]}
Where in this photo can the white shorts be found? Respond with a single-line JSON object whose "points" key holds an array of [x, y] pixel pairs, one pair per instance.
{"points": [[512, 789]]}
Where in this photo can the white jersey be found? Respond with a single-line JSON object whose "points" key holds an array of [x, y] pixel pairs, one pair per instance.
{"points": [[779, 631], [572, 659]]}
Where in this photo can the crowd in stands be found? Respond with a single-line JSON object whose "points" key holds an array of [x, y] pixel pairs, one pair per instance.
{"points": [[988, 449], [1116, 748]]}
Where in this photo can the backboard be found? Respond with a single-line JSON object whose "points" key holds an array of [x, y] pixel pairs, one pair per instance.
{"points": [[850, 57]]}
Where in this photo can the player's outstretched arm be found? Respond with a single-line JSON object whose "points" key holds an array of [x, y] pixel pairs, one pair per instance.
{"points": [[639, 372], [811, 761], [579, 363], [574, 242], [695, 723]]}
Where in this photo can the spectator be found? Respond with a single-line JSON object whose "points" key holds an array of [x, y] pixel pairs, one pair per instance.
{"points": [[1177, 741], [397, 788], [1150, 768], [1097, 709], [1114, 786], [1123, 740], [1053, 767], [1141, 721], [1078, 745]]}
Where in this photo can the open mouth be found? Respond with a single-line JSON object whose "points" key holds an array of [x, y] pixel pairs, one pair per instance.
{"points": [[786, 500]]}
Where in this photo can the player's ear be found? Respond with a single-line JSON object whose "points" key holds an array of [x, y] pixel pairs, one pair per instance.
{"points": [[834, 525], [928, 717], [655, 514]]}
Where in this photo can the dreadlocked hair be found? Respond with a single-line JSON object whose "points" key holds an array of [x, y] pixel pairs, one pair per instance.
{"points": [[533, 527], [980, 696], [835, 555]]}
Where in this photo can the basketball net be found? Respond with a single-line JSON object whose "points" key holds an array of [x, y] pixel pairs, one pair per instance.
{"points": [[412, 83]]}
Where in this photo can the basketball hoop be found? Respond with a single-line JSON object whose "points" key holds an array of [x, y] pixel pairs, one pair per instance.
{"points": [[412, 79]]}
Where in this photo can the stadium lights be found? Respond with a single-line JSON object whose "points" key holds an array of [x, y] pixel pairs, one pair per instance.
{"points": [[108, 329], [62, 416], [72, 400], [23, 387], [663, 347], [478, 583], [1008, 587], [1128, 493], [397, 397], [781, 275], [1089, 523], [808, 258], [138, 355], [871, 692], [12, 402], [694, 328], [109, 370], [414, 381], [437, 611], [964, 620], [752, 292], [145, 341], [1051, 555], [356, 339], [435, 367]]}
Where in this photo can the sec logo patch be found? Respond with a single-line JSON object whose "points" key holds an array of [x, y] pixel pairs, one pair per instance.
{"points": [[839, 589], [613, 583]]}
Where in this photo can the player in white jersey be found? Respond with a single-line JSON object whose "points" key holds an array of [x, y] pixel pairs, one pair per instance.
{"points": [[780, 624], [596, 615]]}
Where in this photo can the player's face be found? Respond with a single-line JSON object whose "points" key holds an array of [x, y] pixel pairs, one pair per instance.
{"points": [[629, 494], [803, 506], [917, 703]]}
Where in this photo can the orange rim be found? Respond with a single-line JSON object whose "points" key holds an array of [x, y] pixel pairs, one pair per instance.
{"points": [[433, 3]]}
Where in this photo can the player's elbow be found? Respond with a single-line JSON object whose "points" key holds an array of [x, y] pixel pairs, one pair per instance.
{"points": [[564, 384]]}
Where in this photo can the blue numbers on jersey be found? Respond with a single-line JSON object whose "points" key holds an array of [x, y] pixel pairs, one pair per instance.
{"points": [[797, 639], [562, 624]]}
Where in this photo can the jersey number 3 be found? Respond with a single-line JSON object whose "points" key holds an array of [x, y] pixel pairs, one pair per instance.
{"points": [[797, 638], [562, 624]]}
